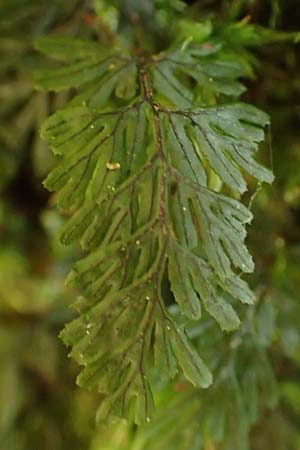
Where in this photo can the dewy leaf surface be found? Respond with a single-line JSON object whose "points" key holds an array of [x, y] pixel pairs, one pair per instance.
{"points": [[137, 144]]}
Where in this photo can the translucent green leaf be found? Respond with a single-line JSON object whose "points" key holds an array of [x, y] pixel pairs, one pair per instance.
{"points": [[134, 179], [190, 362]]}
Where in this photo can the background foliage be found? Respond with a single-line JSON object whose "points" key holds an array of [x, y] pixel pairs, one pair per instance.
{"points": [[255, 399]]}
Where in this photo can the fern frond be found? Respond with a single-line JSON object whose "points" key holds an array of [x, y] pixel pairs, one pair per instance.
{"points": [[137, 146]]}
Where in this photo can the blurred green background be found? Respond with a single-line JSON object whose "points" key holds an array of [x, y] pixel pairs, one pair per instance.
{"points": [[257, 388]]}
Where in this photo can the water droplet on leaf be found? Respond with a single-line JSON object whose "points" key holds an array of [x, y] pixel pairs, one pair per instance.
{"points": [[113, 166]]}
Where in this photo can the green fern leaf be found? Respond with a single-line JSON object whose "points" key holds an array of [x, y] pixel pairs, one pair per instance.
{"points": [[137, 145]]}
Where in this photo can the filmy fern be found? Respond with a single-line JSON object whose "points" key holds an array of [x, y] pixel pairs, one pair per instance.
{"points": [[140, 146]]}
